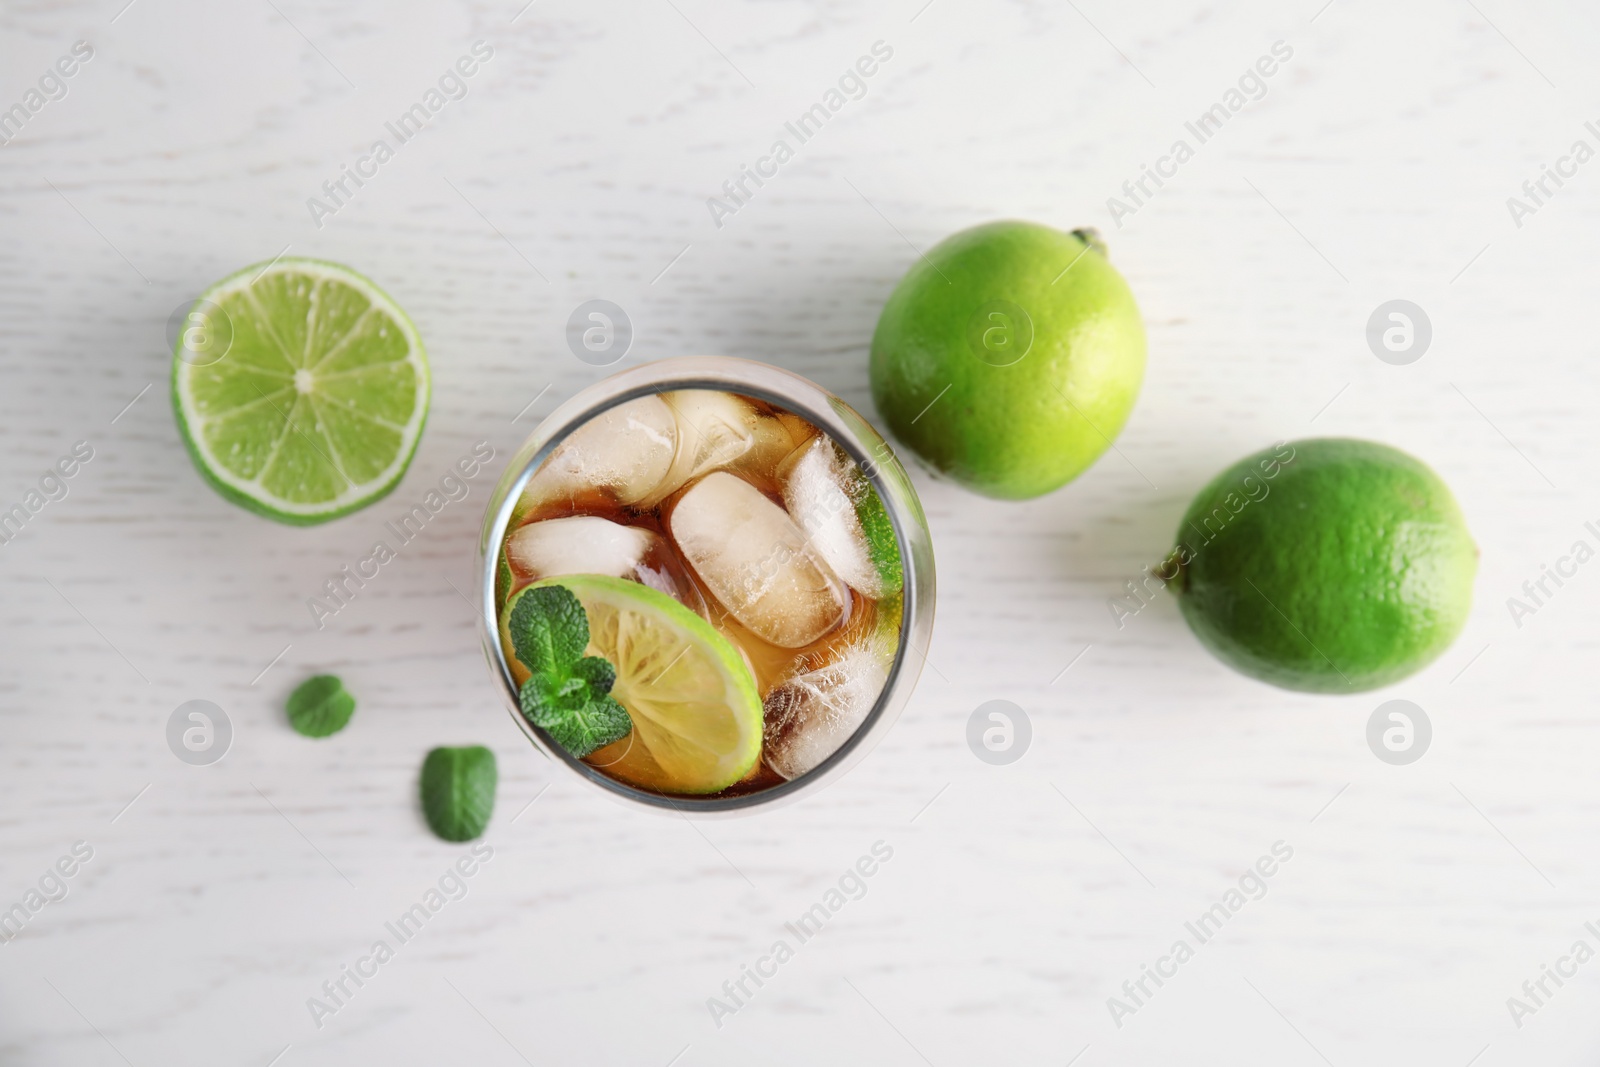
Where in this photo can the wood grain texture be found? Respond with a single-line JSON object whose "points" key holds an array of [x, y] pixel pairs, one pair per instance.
{"points": [[1376, 166]]}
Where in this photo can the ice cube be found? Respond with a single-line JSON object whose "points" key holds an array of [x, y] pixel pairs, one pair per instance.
{"points": [[583, 544], [721, 431], [813, 712], [756, 561], [625, 451], [821, 488], [586, 544]]}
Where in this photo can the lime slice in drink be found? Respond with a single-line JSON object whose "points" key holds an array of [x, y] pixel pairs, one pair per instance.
{"points": [[883, 549], [304, 398], [696, 715]]}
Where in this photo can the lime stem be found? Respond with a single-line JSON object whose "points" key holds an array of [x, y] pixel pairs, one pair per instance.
{"points": [[1170, 570], [1091, 237]]}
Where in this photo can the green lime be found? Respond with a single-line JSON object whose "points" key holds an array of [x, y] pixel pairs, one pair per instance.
{"points": [[1327, 566], [312, 405], [697, 719], [1009, 357], [503, 580], [883, 548]]}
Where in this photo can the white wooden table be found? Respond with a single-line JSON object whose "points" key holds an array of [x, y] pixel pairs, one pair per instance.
{"points": [[1018, 899]]}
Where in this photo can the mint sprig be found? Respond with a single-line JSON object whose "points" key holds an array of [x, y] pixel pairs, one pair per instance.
{"points": [[568, 694]]}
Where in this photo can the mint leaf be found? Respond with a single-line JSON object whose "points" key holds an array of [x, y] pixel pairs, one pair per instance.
{"points": [[549, 629], [320, 706], [579, 726], [567, 694], [598, 672], [458, 787]]}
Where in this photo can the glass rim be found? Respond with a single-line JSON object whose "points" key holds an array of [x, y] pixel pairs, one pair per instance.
{"points": [[741, 376]]}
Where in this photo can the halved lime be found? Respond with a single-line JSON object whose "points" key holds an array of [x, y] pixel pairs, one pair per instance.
{"points": [[316, 405], [696, 715]]}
